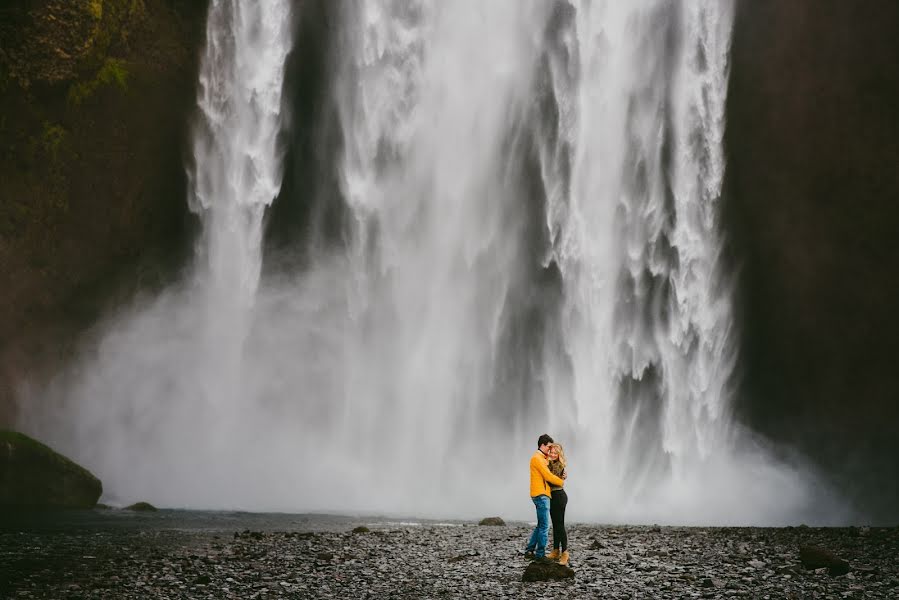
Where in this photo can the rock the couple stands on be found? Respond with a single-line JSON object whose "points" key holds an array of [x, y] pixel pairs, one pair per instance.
{"points": [[549, 499]]}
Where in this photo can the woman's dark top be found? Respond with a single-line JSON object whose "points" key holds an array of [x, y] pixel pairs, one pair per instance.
{"points": [[556, 468]]}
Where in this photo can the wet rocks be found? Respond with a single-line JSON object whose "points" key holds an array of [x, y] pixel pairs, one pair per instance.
{"points": [[314, 557], [34, 476], [246, 533], [471, 554], [492, 521], [546, 570], [142, 507]]}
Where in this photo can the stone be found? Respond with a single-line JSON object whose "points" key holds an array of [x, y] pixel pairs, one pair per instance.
{"points": [[493, 521], [142, 507], [544, 569], [361, 529], [34, 476], [815, 557], [471, 554]]}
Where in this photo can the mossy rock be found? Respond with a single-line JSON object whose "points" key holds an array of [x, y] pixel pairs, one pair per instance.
{"points": [[361, 529], [495, 521], [34, 476], [142, 507], [544, 569]]}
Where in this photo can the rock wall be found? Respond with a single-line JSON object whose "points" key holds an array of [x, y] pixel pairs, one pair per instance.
{"points": [[813, 216], [95, 98]]}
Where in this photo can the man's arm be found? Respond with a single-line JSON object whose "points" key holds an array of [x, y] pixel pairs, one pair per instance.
{"points": [[546, 473]]}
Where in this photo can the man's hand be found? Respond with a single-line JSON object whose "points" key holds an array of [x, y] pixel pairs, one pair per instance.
{"points": [[565, 474]]}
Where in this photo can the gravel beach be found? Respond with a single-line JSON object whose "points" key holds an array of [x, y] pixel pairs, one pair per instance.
{"points": [[179, 554]]}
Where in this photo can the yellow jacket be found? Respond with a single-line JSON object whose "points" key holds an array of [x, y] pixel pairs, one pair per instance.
{"points": [[540, 475]]}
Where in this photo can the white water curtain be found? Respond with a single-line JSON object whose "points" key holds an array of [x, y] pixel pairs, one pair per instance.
{"points": [[533, 245]]}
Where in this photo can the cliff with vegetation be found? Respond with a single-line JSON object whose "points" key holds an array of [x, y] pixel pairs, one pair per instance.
{"points": [[95, 102]]}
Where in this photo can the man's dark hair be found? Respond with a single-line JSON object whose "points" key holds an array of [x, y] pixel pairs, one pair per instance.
{"points": [[544, 439]]}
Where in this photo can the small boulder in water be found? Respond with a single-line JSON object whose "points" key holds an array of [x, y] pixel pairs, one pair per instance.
{"points": [[142, 507], [544, 569], [815, 557], [495, 521], [34, 476]]}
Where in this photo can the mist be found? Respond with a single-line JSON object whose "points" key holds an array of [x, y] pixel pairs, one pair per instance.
{"points": [[530, 243]]}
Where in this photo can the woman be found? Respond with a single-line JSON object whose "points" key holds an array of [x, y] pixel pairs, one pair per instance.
{"points": [[558, 502]]}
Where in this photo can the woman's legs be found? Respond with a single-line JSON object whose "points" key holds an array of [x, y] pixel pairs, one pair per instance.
{"points": [[557, 512]]}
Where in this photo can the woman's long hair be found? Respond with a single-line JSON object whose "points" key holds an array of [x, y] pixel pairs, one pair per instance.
{"points": [[561, 451]]}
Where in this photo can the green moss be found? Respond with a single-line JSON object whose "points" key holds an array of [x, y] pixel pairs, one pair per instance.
{"points": [[36, 449], [52, 139], [112, 73], [33, 475], [95, 8]]}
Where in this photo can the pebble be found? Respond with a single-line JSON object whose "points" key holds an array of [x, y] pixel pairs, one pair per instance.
{"points": [[427, 561]]}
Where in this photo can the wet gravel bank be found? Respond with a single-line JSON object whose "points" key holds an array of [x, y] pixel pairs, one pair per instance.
{"points": [[321, 558]]}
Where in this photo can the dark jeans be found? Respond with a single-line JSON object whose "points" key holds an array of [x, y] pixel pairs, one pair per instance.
{"points": [[557, 514]]}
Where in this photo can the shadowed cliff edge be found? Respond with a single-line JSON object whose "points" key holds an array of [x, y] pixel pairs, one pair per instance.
{"points": [[812, 207]]}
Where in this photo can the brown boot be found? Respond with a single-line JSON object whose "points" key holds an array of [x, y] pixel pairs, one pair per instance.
{"points": [[563, 558], [554, 555]]}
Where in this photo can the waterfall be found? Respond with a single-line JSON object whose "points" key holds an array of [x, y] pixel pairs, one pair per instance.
{"points": [[635, 226], [532, 244], [235, 176], [167, 377]]}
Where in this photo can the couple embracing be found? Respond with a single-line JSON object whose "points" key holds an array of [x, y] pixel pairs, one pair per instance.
{"points": [[547, 478]]}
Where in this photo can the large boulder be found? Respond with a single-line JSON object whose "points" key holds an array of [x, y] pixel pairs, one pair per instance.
{"points": [[34, 476], [815, 557]]}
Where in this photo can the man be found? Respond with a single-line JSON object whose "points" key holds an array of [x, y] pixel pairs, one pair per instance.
{"points": [[541, 477]]}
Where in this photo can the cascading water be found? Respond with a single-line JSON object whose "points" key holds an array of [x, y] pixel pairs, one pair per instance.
{"points": [[168, 378], [237, 174], [532, 244], [647, 316]]}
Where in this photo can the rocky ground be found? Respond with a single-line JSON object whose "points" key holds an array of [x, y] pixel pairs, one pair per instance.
{"points": [[153, 558]]}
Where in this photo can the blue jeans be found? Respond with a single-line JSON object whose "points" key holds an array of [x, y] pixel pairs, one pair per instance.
{"points": [[537, 542]]}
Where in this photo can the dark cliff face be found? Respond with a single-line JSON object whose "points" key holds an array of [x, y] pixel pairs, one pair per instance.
{"points": [[813, 217], [95, 99]]}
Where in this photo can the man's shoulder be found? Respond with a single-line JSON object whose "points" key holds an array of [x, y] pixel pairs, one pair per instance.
{"points": [[538, 457]]}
